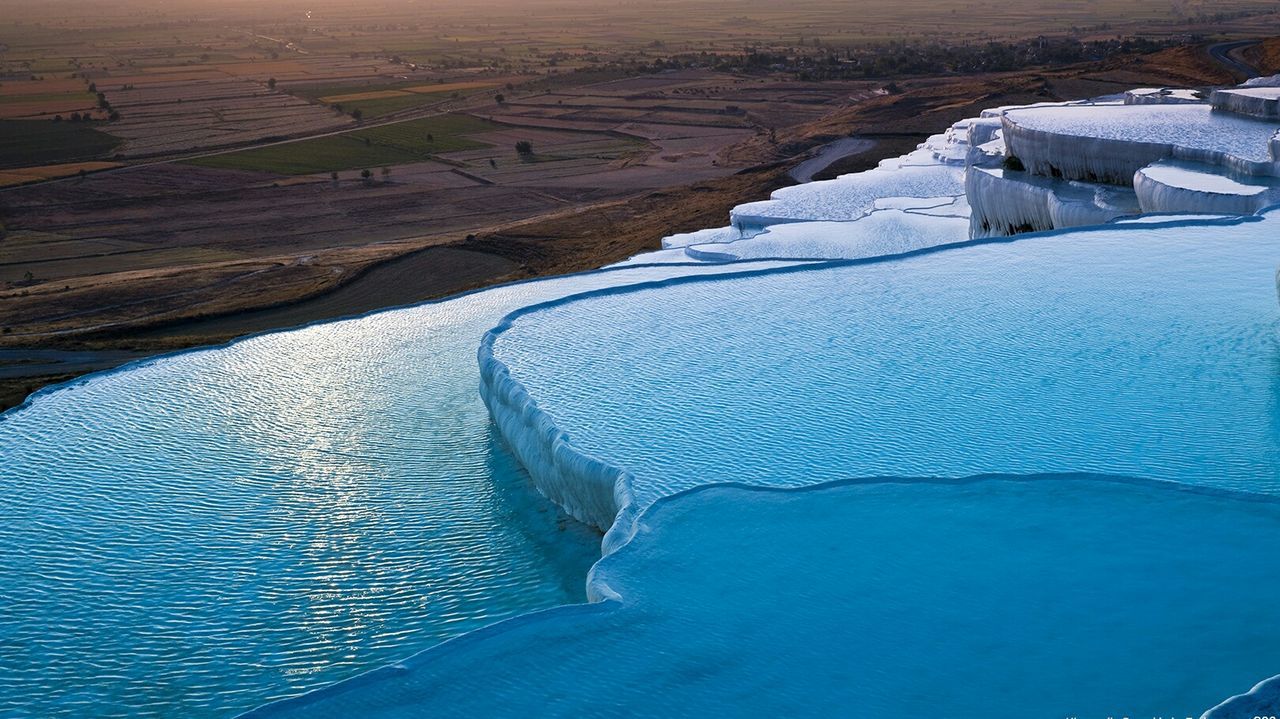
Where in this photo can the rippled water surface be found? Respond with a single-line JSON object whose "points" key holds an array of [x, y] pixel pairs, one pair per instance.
{"points": [[216, 529]]}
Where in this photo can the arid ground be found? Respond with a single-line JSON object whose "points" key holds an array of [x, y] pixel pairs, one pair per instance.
{"points": [[173, 178]]}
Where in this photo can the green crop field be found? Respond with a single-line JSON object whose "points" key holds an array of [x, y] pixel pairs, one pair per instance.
{"points": [[377, 107], [27, 143], [387, 105], [396, 144], [87, 97], [315, 92]]}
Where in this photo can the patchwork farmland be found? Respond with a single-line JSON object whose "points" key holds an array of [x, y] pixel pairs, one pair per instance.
{"points": [[160, 169]]}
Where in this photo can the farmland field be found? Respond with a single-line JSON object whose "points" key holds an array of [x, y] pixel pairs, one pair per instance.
{"points": [[374, 147], [396, 97], [23, 175], [25, 143], [375, 107], [207, 162]]}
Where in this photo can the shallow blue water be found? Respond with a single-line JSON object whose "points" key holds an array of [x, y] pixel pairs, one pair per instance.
{"points": [[220, 528], [196, 537], [1150, 352], [995, 599]]}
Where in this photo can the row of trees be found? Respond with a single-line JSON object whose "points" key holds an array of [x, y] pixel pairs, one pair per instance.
{"points": [[112, 116]]}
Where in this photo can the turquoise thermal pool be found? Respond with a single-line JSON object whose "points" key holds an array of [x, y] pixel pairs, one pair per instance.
{"points": [[989, 599], [209, 531], [1143, 350]]}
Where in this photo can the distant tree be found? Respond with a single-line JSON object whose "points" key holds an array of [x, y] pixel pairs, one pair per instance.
{"points": [[365, 174], [493, 162], [499, 98], [113, 116], [81, 174], [271, 83], [93, 87], [356, 114], [386, 174], [431, 137], [524, 148], [75, 117], [333, 176], [57, 118], [28, 277], [510, 87], [102, 101]]}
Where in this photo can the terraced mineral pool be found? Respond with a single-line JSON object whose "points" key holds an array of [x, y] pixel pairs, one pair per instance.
{"points": [[1192, 126], [849, 197], [1148, 351], [989, 599], [881, 232], [216, 529]]}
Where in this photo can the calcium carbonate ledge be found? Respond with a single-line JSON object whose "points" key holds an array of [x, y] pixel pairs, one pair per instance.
{"points": [[594, 491], [1262, 701], [1254, 101], [1007, 203], [1174, 186], [1061, 154], [848, 197]]}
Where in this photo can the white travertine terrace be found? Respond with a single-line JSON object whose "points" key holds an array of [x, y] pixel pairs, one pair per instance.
{"points": [[1162, 96], [1262, 102], [1109, 144]]}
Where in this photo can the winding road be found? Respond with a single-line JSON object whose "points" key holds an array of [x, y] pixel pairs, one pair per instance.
{"points": [[1227, 54]]}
